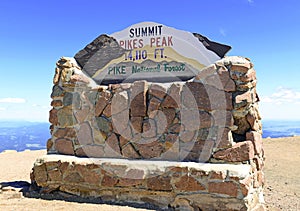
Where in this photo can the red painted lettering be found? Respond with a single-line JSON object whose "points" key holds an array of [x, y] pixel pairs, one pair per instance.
{"points": [[134, 43], [141, 44], [158, 42], [122, 43], [170, 43], [152, 41]]}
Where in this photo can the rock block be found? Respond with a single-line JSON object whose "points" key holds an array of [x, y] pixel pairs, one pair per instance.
{"points": [[241, 151], [138, 105]]}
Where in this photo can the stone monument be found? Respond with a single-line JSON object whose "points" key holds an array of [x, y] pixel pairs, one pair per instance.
{"points": [[155, 115]]}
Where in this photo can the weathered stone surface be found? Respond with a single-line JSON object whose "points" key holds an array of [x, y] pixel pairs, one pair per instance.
{"points": [[153, 106], [244, 98], [241, 151], [84, 134], [39, 174], [221, 80], [72, 99], [79, 79], [54, 175], [107, 111], [194, 120], [249, 76], [225, 139], [91, 177], [190, 119], [119, 102], [243, 125], [123, 141], [137, 123], [135, 173], [69, 133], [57, 91], [56, 76], [172, 100], [256, 138], [149, 128], [127, 133], [120, 121], [91, 97], [158, 90], [53, 119], [159, 183], [187, 136], [109, 181], [66, 62], [90, 151], [161, 121], [99, 137], [220, 100], [188, 183], [196, 151], [102, 102], [64, 146], [127, 182], [171, 152], [65, 117], [56, 103], [171, 139], [150, 150], [217, 175], [241, 67], [227, 188], [205, 72], [245, 185], [125, 86], [176, 128], [245, 86], [103, 124], [49, 144], [51, 128], [169, 115], [254, 118], [112, 147], [138, 106], [128, 151], [223, 118], [205, 97], [81, 114]]}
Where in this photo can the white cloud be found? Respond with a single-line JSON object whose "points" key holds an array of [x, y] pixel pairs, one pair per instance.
{"points": [[283, 95], [12, 100], [2, 109]]}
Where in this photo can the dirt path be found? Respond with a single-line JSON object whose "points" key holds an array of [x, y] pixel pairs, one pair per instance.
{"points": [[282, 172]]}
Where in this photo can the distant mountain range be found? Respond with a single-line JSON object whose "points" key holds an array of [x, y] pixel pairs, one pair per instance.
{"points": [[22, 135], [280, 128]]}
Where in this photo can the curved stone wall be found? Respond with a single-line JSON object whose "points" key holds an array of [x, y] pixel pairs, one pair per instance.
{"points": [[198, 120]]}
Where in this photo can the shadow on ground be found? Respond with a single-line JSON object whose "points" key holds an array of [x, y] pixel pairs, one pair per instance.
{"points": [[31, 191]]}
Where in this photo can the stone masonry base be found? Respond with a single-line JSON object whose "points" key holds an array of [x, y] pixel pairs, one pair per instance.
{"points": [[164, 184]]}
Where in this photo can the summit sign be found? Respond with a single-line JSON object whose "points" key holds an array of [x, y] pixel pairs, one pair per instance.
{"points": [[148, 51]]}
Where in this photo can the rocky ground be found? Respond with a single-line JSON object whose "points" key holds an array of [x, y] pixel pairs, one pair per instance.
{"points": [[282, 188]]}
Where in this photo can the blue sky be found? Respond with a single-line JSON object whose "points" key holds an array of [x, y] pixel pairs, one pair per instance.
{"points": [[35, 34]]}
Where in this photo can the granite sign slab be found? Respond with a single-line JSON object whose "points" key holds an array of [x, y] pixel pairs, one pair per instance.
{"points": [[148, 51]]}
